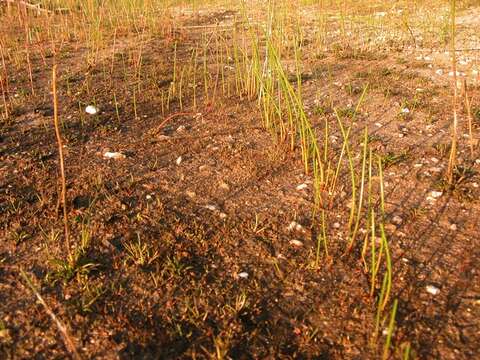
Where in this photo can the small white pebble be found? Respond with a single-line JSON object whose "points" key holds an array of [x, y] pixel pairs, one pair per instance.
{"points": [[222, 216], [92, 110], [458, 73], [397, 220], [243, 275], [296, 243], [181, 128], [113, 155], [439, 72], [302, 186], [418, 165], [405, 110], [453, 227], [179, 160], [436, 194], [295, 226], [336, 225], [148, 197], [432, 290], [211, 207]]}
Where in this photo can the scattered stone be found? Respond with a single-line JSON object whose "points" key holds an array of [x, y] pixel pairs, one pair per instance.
{"points": [[92, 110], [302, 187], [397, 220], [211, 207], [436, 194], [453, 227], [181, 128], [433, 290], [295, 226], [336, 225], [190, 194], [222, 215], [114, 155], [243, 275], [296, 243], [148, 197], [458, 73], [179, 160], [439, 72], [224, 186], [405, 110]]}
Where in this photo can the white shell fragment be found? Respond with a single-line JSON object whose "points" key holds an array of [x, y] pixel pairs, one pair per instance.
{"points": [[433, 290], [92, 110], [113, 155]]}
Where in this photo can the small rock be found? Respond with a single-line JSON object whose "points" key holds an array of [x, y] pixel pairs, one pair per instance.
{"points": [[190, 194], [211, 207], [243, 275], [224, 186], [439, 72], [296, 243], [336, 225], [405, 110], [113, 155], [92, 110], [181, 128], [397, 220], [436, 194], [295, 226], [179, 160], [302, 186], [458, 73], [432, 290], [453, 227], [222, 215]]}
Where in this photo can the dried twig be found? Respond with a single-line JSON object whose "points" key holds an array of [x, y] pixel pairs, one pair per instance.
{"points": [[60, 152], [469, 117], [453, 150], [28, 5], [69, 344]]}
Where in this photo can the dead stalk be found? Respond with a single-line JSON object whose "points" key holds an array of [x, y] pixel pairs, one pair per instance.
{"points": [[60, 152], [453, 151], [469, 117]]}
